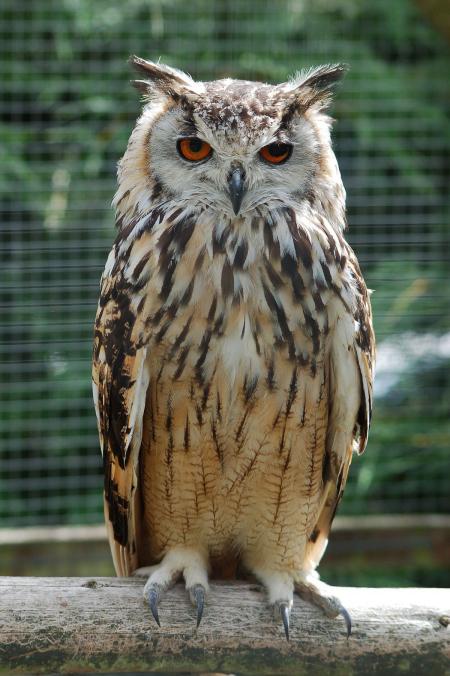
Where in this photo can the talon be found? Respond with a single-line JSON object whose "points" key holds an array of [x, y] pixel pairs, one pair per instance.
{"points": [[284, 612], [153, 600], [348, 620], [198, 594]]}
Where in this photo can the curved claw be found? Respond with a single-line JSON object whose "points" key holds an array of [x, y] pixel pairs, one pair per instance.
{"points": [[198, 594], [153, 600], [284, 612], [348, 620]]}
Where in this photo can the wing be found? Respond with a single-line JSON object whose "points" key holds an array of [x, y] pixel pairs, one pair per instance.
{"points": [[352, 359], [120, 380]]}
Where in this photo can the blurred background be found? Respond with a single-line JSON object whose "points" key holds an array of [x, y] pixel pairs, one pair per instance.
{"points": [[66, 111]]}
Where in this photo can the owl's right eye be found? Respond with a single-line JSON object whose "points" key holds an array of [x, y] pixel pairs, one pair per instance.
{"points": [[194, 149]]}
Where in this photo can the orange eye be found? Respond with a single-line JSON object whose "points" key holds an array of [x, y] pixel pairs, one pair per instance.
{"points": [[276, 153], [194, 149]]}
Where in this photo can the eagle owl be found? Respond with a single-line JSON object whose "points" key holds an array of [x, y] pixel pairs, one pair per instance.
{"points": [[233, 345]]}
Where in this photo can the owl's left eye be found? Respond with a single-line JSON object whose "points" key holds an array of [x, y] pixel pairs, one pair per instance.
{"points": [[276, 153], [194, 149]]}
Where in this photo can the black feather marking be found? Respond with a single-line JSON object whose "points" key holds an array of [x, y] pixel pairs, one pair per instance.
{"points": [[287, 412], [177, 235], [203, 348], [274, 277], [249, 387], [155, 319], [187, 434], [227, 281], [151, 220], [240, 427], [318, 302], [169, 415], [218, 324], [241, 254], [205, 395], [200, 258], [141, 304], [219, 408], [256, 330], [243, 329], [162, 331], [278, 310], [187, 295], [217, 443], [293, 389], [181, 337], [117, 505], [314, 330], [302, 244], [289, 266], [219, 241], [272, 245], [326, 273], [277, 418], [157, 190], [212, 309], [199, 415], [174, 215], [271, 375], [181, 362]]}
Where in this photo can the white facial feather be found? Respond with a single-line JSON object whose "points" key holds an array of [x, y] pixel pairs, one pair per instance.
{"points": [[205, 183]]}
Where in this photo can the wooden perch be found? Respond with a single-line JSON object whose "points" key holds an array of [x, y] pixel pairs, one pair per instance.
{"points": [[82, 625]]}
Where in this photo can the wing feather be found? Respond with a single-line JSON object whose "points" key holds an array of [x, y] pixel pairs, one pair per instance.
{"points": [[352, 359], [120, 380]]}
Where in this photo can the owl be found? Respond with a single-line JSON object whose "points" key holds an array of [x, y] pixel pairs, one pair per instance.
{"points": [[233, 348]]}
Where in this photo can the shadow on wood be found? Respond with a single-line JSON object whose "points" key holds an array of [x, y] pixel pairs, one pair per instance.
{"points": [[84, 625]]}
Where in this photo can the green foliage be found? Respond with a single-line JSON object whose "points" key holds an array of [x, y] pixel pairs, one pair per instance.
{"points": [[65, 117]]}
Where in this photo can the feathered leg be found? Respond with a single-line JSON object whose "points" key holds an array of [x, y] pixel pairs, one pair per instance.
{"points": [[180, 561], [310, 588]]}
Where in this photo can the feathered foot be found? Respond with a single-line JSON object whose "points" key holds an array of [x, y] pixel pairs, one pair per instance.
{"points": [[280, 589], [310, 588], [176, 563]]}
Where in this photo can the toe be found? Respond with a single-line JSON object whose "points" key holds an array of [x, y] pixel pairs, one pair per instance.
{"points": [[313, 590], [153, 594], [197, 594], [282, 609], [285, 612], [347, 618]]}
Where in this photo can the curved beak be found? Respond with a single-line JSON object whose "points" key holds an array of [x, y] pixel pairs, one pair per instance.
{"points": [[236, 187]]}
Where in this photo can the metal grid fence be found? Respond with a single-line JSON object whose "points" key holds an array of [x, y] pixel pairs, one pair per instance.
{"points": [[66, 110]]}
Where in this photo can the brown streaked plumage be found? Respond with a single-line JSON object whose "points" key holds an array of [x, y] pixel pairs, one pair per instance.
{"points": [[233, 350]]}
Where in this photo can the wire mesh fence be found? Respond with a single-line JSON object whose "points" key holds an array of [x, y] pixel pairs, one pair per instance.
{"points": [[66, 110]]}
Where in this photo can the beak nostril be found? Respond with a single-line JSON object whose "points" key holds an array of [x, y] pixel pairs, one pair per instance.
{"points": [[236, 179]]}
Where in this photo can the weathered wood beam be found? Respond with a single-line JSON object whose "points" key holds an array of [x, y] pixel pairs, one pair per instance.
{"points": [[82, 625]]}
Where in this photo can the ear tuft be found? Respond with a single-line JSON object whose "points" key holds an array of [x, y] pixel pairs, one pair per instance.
{"points": [[323, 77], [160, 79], [313, 87]]}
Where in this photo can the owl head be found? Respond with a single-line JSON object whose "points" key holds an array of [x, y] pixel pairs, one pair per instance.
{"points": [[230, 146]]}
